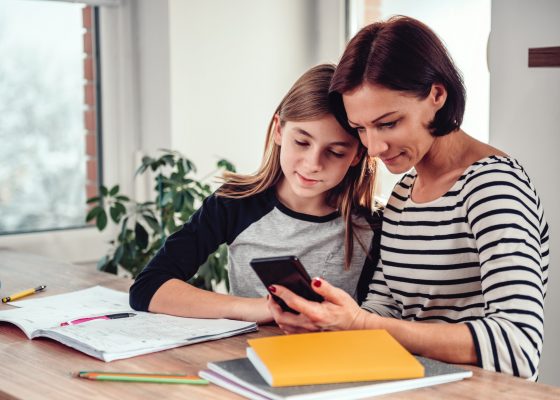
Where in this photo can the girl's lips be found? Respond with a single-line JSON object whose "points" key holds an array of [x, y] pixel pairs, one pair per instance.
{"points": [[305, 181]]}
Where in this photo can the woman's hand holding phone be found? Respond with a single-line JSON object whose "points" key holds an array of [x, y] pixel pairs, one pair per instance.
{"points": [[286, 271], [338, 311]]}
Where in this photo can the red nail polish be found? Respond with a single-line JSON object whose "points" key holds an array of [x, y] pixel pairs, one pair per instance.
{"points": [[272, 289], [317, 282]]}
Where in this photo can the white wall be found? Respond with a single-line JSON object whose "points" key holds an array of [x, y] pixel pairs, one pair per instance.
{"points": [[525, 121], [452, 21], [231, 64]]}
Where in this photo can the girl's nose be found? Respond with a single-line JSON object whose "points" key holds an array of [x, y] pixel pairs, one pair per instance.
{"points": [[313, 161]]}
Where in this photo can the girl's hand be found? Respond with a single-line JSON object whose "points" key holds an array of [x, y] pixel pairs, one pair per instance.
{"points": [[247, 309], [338, 311]]}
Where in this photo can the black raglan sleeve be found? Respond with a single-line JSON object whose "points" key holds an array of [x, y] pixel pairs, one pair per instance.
{"points": [[184, 251]]}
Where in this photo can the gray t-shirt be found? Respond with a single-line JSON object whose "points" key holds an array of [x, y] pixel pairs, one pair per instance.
{"points": [[254, 227]]}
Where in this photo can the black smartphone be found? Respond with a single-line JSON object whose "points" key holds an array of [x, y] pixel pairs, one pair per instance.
{"points": [[288, 272]]}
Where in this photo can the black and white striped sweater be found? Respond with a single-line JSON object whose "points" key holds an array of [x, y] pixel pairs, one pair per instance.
{"points": [[477, 255]]}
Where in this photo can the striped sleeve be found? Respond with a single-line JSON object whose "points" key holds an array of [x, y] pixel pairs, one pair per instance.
{"points": [[379, 299], [506, 218]]}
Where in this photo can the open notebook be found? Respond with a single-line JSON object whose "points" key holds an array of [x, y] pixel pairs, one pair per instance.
{"points": [[113, 339]]}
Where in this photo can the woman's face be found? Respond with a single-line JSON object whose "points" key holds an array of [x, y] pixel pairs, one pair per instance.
{"points": [[393, 125]]}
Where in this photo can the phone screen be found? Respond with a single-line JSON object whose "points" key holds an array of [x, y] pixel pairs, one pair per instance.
{"points": [[288, 272]]}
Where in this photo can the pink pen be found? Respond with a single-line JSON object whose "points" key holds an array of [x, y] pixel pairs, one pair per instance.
{"points": [[87, 319]]}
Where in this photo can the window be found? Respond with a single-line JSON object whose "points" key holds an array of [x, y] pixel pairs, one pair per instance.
{"points": [[464, 27], [48, 102]]}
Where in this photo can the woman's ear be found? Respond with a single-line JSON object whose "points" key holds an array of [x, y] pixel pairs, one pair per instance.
{"points": [[277, 130], [438, 95]]}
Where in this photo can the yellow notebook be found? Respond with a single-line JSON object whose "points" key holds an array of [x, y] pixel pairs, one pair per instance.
{"points": [[332, 357]]}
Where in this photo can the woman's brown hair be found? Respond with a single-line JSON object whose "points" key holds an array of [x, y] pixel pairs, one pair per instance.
{"points": [[401, 54], [307, 100]]}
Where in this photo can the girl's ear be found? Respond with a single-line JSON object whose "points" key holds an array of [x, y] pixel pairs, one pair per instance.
{"points": [[277, 130], [358, 156]]}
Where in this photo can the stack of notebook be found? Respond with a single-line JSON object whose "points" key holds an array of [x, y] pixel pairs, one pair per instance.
{"points": [[328, 365]]}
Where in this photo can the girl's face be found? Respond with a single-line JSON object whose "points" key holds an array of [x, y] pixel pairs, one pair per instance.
{"points": [[314, 157], [393, 125]]}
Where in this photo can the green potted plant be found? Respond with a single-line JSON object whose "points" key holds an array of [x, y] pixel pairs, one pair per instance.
{"points": [[144, 226]]}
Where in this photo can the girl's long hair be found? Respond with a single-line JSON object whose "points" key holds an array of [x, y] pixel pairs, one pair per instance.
{"points": [[308, 100]]}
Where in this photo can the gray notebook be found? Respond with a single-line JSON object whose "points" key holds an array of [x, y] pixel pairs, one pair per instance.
{"points": [[241, 377]]}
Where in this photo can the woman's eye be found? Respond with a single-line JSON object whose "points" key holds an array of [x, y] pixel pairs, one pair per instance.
{"points": [[387, 125], [301, 143]]}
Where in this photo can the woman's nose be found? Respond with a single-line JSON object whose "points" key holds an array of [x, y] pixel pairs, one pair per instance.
{"points": [[374, 144]]}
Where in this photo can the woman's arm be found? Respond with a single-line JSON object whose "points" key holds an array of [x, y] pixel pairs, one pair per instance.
{"points": [[506, 218], [446, 342], [176, 297]]}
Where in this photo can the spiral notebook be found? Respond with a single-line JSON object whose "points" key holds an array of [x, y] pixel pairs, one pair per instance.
{"points": [[113, 339]]}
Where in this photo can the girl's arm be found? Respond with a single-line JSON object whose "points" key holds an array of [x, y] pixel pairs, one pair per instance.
{"points": [[176, 297], [446, 342], [162, 286], [183, 252]]}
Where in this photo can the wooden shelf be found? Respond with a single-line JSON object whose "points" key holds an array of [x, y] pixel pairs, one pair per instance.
{"points": [[544, 57]]}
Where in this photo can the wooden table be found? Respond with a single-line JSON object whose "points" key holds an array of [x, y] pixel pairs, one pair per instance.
{"points": [[42, 368]]}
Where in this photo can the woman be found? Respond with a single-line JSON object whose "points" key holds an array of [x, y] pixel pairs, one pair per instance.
{"points": [[464, 248]]}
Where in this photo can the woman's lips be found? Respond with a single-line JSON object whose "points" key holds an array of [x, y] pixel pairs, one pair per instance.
{"points": [[390, 160]]}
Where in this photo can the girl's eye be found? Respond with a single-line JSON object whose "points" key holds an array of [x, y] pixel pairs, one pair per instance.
{"points": [[303, 144], [337, 155]]}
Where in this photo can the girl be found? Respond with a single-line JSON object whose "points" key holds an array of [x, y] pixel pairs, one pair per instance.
{"points": [[464, 247], [312, 197]]}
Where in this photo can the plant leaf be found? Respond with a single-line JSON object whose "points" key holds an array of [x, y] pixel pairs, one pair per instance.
{"points": [[167, 198], [122, 234], [120, 208], [152, 222], [114, 190], [188, 166], [104, 191], [101, 221], [141, 169], [141, 236], [225, 164], [93, 213], [119, 254], [102, 262], [178, 202], [114, 212], [93, 199]]}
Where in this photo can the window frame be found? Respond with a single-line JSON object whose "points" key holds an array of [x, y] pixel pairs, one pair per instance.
{"points": [[119, 143]]}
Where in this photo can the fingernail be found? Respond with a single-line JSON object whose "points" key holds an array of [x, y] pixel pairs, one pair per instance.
{"points": [[267, 296], [272, 289], [316, 282]]}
